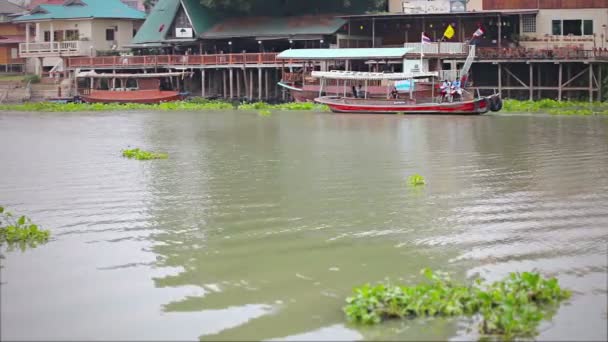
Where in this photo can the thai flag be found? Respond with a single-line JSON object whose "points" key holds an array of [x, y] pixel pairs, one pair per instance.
{"points": [[425, 39], [478, 33]]}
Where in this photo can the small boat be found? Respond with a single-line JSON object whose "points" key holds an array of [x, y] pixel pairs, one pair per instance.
{"points": [[129, 88]]}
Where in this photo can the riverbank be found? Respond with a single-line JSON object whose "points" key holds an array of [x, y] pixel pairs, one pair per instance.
{"points": [[191, 105], [509, 106]]}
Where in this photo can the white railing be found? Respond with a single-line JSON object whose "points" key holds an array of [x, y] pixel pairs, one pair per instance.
{"points": [[67, 48], [438, 48]]}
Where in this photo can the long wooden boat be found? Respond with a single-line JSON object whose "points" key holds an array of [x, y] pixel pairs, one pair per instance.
{"points": [[476, 106], [144, 88]]}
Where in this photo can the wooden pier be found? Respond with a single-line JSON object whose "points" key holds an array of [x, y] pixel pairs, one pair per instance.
{"points": [[518, 73]]}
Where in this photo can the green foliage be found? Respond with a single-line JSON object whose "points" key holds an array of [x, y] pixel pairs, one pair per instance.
{"points": [[264, 112], [415, 180], [138, 154], [284, 106], [195, 104], [511, 308], [291, 7], [31, 78], [556, 107], [20, 230]]}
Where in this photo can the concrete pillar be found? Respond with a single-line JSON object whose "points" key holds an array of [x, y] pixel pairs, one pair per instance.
{"points": [[267, 83], [238, 84], [260, 84], [251, 85], [559, 82], [531, 83], [52, 36], [203, 83], [590, 82], [500, 79], [601, 80], [225, 93], [231, 77], [27, 36]]}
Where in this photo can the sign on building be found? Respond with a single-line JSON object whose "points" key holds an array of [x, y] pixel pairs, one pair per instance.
{"points": [[433, 6], [183, 32]]}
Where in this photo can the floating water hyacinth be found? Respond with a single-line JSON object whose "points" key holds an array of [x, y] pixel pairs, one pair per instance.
{"points": [[416, 180], [138, 154], [20, 230], [510, 308]]}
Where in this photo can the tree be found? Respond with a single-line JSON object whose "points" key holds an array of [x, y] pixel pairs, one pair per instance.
{"points": [[289, 6]]}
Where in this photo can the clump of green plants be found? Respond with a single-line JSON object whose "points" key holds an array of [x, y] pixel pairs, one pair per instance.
{"points": [[556, 107], [264, 112], [309, 106], [139, 154], [20, 230], [416, 180], [510, 308]]}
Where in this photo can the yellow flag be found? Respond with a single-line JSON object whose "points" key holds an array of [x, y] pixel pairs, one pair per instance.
{"points": [[449, 32]]}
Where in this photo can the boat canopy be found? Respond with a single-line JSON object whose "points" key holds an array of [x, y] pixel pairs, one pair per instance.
{"points": [[356, 75], [347, 53], [93, 74]]}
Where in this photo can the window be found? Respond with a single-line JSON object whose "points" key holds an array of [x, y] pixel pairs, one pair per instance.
{"points": [[47, 36], [587, 27], [58, 36], [72, 35], [572, 27], [528, 23], [110, 34]]}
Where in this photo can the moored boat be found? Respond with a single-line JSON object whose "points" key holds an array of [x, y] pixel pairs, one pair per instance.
{"points": [[339, 104], [440, 100], [129, 88]]}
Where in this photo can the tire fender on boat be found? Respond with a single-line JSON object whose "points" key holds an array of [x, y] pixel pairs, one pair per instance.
{"points": [[495, 104]]}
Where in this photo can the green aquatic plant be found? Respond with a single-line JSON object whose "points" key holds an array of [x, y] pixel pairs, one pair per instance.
{"points": [[415, 180], [510, 308], [194, 104], [20, 230], [555, 107], [264, 112], [139, 154], [309, 106]]}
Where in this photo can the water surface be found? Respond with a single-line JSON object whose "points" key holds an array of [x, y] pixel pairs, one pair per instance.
{"points": [[259, 227]]}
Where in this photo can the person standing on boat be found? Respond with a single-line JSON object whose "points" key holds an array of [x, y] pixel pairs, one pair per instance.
{"points": [[360, 93], [444, 89]]}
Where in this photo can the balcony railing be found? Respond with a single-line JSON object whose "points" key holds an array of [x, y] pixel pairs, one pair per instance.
{"points": [[50, 49], [176, 60]]}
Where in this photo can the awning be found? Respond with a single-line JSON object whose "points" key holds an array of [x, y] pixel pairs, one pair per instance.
{"points": [[356, 75], [388, 16], [352, 53]]}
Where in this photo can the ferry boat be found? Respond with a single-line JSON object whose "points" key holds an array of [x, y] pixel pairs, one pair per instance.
{"points": [[449, 101]]}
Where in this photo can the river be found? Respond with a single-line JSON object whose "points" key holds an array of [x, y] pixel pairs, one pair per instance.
{"points": [[258, 227]]}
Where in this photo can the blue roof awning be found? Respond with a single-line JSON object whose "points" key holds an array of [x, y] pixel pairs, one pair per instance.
{"points": [[325, 54]]}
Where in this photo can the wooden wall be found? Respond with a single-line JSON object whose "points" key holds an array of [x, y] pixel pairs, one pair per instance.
{"points": [[543, 4]]}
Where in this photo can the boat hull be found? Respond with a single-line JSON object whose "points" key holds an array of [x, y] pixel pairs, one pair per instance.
{"points": [[135, 96], [341, 105]]}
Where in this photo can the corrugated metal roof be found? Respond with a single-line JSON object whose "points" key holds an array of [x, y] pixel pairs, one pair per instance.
{"points": [[158, 23], [109, 9], [275, 26], [160, 19], [10, 8], [325, 54]]}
